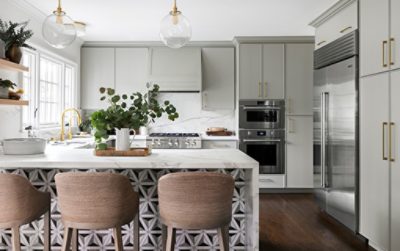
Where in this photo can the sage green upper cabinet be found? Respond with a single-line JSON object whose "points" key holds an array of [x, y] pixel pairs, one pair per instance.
{"points": [[261, 71], [175, 70], [97, 70], [374, 36], [131, 69], [250, 71], [273, 71], [299, 79], [395, 33], [218, 78]]}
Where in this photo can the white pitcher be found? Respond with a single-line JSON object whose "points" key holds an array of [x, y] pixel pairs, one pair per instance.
{"points": [[123, 141]]}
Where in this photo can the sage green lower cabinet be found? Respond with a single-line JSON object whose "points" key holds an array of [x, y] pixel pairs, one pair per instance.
{"points": [[299, 152], [218, 91]]}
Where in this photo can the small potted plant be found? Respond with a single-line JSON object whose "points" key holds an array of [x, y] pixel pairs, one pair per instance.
{"points": [[126, 113], [5, 85], [14, 35]]}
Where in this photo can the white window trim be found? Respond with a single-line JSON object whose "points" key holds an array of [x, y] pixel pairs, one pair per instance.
{"points": [[42, 53]]}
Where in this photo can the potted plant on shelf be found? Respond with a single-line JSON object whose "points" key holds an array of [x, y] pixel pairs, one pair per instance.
{"points": [[126, 113], [5, 85], [14, 35]]}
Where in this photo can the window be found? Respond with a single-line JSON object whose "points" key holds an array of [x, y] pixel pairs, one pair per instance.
{"points": [[50, 88]]}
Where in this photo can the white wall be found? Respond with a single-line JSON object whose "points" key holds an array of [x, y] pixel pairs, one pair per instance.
{"points": [[19, 11], [192, 117]]}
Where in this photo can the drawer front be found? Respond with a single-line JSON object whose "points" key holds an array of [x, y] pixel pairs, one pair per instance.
{"points": [[272, 181], [337, 26], [220, 144]]}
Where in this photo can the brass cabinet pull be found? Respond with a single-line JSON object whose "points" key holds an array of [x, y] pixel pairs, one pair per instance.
{"points": [[259, 89], [345, 29], [383, 140], [390, 142], [265, 89], [322, 42], [384, 43], [391, 41]]}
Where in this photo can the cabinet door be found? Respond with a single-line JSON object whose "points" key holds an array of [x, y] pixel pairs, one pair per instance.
{"points": [[250, 71], [375, 30], [374, 170], [395, 165], [395, 33], [299, 147], [219, 144], [299, 79], [130, 70], [273, 71], [218, 78], [97, 66]]}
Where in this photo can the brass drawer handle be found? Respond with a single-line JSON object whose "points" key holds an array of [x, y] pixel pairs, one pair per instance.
{"points": [[384, 44], [265, 89], [391, 41], [322, 42], [345, 29], [384, 124], [390, 142]]}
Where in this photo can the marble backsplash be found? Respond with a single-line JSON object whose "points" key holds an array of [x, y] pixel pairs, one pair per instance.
{"points": [[192, 118]]}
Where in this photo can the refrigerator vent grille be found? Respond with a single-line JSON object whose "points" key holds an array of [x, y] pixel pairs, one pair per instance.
{"points": [[341, 49]]}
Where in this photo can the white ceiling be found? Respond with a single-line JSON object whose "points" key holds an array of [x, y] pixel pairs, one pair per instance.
{"points": [[212, 20]]}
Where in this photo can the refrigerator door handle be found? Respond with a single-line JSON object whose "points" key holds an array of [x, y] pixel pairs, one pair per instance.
{"points": [[324, 129], [322, 140]]}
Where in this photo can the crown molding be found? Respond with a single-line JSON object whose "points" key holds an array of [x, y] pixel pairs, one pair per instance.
{"points": [[332, 11], [129, 44]]}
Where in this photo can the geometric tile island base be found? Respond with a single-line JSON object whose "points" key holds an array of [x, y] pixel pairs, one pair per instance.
{"points": [[145, 182]]}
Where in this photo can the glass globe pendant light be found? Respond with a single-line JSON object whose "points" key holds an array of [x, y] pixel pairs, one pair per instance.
{"points": [[175, 30], [58, 29]]}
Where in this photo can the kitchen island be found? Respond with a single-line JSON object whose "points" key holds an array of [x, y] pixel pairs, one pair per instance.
{"points": [[143, 173]]}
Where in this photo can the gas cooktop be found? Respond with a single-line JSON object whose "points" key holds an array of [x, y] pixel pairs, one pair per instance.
{"points": [[175, 140]]}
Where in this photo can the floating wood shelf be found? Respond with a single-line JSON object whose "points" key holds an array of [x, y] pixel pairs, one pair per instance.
{"points": [[8, 65], [13, 102]]}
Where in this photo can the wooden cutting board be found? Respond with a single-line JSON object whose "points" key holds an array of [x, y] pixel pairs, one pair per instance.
{"points": [[133, 152]]}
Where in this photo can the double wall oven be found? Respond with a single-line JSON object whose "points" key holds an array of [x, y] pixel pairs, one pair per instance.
{"points": [[262, 133]]}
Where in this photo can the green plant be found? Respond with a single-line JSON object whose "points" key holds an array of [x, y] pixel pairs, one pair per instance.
{"points": [[15, 33], [129, 111], [7, 83]]}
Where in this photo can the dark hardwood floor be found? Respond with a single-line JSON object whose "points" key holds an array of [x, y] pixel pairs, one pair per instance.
{"points": [[293, 222]]}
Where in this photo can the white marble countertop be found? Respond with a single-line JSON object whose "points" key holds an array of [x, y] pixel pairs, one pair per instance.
{"points": [[64, 157]]}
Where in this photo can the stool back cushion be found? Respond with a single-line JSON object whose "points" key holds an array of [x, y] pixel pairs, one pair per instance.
{"points": [[95, 200], [196, 200], [20, 202]]}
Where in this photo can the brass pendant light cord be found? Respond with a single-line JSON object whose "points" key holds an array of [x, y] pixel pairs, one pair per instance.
{"points": [[59, 9], [174, 8]]}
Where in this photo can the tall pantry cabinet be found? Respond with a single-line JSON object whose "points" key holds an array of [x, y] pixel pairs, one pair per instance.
{"points": [[379, 123]]}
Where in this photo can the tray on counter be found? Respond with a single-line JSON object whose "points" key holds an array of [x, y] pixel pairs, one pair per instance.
{"points": [[133, 152], [219, 133]]}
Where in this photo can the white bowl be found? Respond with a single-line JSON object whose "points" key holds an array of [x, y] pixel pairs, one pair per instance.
{"points": [[24, 146]]}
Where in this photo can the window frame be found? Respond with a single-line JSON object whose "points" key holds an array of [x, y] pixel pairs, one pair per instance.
{"points": [[35, 96]]}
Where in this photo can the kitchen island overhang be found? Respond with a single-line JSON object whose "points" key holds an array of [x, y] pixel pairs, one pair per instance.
{"points": [[144, 173]]}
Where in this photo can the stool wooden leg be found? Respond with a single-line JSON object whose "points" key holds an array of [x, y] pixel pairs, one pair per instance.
{"points": [[223, 236], [171, 238], [67, 239], [15, 239], [164, 233], [74, 241], [47, 231], [136, 232], [117, 239]]}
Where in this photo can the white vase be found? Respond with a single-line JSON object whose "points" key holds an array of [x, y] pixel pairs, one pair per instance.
{"points": [[143, 130], [123, 141]]}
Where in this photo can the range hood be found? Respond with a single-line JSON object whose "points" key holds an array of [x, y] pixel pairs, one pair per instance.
{"points": [[175, 70]]}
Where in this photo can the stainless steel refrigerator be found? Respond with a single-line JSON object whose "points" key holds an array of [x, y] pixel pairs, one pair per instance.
{"points": [[336, 129]]}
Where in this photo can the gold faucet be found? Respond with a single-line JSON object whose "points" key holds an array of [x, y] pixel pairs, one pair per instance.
{"points": [[62, 136]]}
